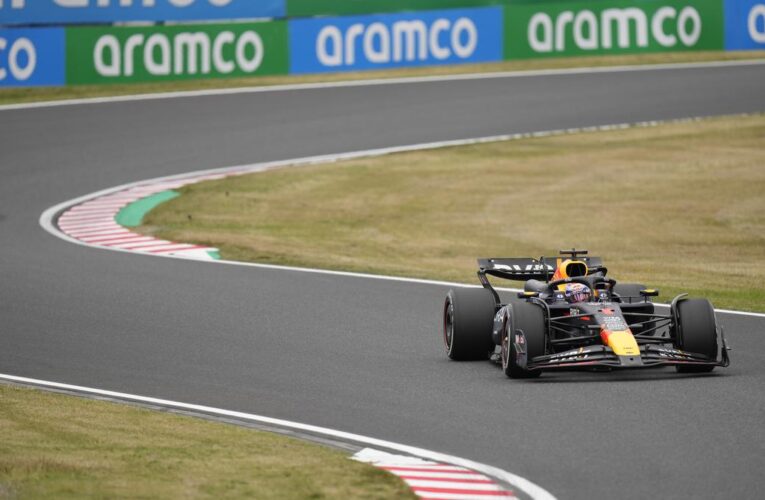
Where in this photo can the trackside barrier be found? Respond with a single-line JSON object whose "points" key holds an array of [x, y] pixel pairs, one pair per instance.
{"points": [[314, 8], [179, 52], [15, 12], [521, 29], [617, 27], [395, 40], [744, 24], [32, 57]]}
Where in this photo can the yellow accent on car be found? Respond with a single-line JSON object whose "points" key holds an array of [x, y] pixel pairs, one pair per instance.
{"points": [[623, 343]]}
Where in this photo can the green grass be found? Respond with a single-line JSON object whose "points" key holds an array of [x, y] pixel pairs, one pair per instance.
{"points": [[19, 95], [680, 207], [57, 446]]}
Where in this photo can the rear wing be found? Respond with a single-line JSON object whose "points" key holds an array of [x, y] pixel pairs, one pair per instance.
{"points": [[527, 268]]}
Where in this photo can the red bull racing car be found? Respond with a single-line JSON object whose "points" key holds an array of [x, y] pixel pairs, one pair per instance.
{"points": [[570, 315]]}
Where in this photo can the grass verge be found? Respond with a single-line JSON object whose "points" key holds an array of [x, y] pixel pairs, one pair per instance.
{"points": [[57, 446], [680, 207], [20, 95]]}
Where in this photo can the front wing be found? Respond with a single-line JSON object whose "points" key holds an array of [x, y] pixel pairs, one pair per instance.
{"points": [[651, 355]]}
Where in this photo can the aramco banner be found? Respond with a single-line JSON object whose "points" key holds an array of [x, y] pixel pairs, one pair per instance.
{"points": [[622, 26], [31, 57], [181, 52], [395, 40], [744, 24], [313, 8], [109, 11]]}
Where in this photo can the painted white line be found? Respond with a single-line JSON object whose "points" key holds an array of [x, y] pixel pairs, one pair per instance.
{"points": [[86, 235], [101, 239], [124, 199], [98, 232], [143, 246], [436, 475], [64, 222], [477, 479], [75, 217], [179, 248], [100, 208], [85, 222], [534, 491], [88, 220], [407, 468], [121, 240], [383, 81], [425, 483], [47, 218], [438, 495], [476, 484], [91, 231], [163, 245], [71, 227], [436, 471]]}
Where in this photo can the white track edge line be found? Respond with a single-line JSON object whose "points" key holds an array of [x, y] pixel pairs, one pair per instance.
{"points": [[533, 490], [382, 81], [48, 216]]}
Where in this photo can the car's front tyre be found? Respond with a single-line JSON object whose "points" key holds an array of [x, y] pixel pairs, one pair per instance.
{"points": [[696, 332], [529, 319], [468, 322]]}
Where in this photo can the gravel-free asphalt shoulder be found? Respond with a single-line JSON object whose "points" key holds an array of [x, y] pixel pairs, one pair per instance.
{"points": [[356, 354]]}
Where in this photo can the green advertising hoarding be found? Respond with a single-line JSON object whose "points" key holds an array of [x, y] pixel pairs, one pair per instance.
{"points": [[160, 53], [615, 27]]}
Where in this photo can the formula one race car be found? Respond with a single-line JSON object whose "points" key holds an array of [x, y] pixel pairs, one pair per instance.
{"points": [[571, 316]]}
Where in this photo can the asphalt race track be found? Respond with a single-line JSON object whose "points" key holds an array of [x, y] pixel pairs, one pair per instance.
{"points": [[358, 354]]}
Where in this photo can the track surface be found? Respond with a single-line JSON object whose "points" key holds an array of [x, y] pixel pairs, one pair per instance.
{"points": [[360, 355]]}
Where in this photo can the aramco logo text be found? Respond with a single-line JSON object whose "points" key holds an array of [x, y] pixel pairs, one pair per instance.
{"points": [[622, 28]]}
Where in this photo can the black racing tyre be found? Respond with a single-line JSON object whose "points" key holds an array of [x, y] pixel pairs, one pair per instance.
{"points": [[468, 323], [530, 319], [629, 292], [695, 332]]}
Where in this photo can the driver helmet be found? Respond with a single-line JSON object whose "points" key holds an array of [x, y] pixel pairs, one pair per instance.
{"points": [[577, 292], [574, 292]]}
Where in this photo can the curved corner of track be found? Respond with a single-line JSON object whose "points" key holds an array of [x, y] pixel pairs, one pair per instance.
{"points": [[94, 220]]}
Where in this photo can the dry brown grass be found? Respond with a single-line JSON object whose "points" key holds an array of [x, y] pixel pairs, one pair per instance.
{"points": [[18, 95], [56, 446], [680, 207]]}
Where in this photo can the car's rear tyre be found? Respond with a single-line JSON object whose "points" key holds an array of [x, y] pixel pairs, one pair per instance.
{"points": [[468, 323], [696, 332], [530, 319]]}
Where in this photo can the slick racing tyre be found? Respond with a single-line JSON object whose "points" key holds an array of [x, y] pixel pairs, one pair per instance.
{"points": [[530, 319], [468, 323], [695, 332]]}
